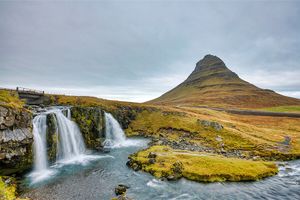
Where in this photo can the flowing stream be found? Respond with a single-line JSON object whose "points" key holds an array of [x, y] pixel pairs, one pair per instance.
{"points": [[98, 178]]}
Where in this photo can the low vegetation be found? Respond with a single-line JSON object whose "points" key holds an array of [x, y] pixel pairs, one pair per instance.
{"points": [[241, 136], [10, 99], [8, 189], [293, 109], [155, 124], [163, 161]]}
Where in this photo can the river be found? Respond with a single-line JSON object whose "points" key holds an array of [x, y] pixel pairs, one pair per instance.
{"points": [[97, 178]]}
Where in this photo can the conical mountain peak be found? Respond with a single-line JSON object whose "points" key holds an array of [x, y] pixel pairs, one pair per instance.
{"points": [[212, 83], [211, 67], [209, 61]]}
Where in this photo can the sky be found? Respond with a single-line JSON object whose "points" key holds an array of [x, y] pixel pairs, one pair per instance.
{"points": [[138, 50]]}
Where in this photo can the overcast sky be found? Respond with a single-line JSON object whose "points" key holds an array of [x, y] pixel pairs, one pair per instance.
{"points": [[137, 50]]}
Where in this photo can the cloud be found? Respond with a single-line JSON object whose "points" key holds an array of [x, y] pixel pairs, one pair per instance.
{"points": [[130, 50]]}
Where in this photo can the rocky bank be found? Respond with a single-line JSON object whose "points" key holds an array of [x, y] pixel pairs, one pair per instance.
{"points": [[15, 140]]}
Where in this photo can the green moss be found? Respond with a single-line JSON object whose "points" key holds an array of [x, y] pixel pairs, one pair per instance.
{"points": [[52, 139], [295, 109], [7, 190], [202, 167], [91, 124]]}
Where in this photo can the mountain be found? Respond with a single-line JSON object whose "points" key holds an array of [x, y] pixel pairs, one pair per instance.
{"points": [[213, 84]]}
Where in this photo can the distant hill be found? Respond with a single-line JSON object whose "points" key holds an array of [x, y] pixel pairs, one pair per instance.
{"points": [[213, 84]]}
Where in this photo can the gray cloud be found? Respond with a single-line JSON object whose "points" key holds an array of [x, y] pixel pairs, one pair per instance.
{"points": [[136, 50]]}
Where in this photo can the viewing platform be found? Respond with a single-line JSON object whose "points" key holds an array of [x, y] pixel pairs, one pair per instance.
{"points": [[32, 97]]}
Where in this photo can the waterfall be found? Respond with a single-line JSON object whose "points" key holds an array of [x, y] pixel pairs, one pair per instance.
{"points": [[41, 169], [71, 143], [40, 150], [69, 113], [70, 146], [114, 135]]}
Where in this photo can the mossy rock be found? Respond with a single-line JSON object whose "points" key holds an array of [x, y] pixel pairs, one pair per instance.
{"points": [[199, 166], [52, 137], [90, 121]]}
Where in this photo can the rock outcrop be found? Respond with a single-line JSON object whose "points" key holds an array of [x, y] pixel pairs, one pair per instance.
{"points": [[15, 140], [215, 125], [91, 123], [52, 137]]}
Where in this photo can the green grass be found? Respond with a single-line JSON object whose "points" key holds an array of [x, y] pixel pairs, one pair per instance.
{"points": [[202, 167], [258, 139], [10, 99], [294, 109], [154, 124], [86, 101]]}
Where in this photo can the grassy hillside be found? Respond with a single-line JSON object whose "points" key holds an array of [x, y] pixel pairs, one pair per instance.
{"points": [[270, 138], [10, 98], [248, 135], [87, 101]]}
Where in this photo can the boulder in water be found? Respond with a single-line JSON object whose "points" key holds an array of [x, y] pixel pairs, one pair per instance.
{"points": [[107, 145], [121, 189]]}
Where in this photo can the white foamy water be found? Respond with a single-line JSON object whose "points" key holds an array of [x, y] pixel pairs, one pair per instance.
{"points": [[40, 150], [71, 144], [155, 183], [289, 169], [41, 169], [115, 136], [83, 159]]}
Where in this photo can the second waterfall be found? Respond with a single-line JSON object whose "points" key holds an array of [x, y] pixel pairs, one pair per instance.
{"points": [[115, 136]]}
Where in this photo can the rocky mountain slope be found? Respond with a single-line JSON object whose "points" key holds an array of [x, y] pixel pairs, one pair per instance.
{"points": [[213, 84]]}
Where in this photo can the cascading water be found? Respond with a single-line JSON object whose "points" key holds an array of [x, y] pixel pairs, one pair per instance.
{"points": [[69, 113], [71, 142], [115, 136], [70, 147], [41, 168], [40, 150]]}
